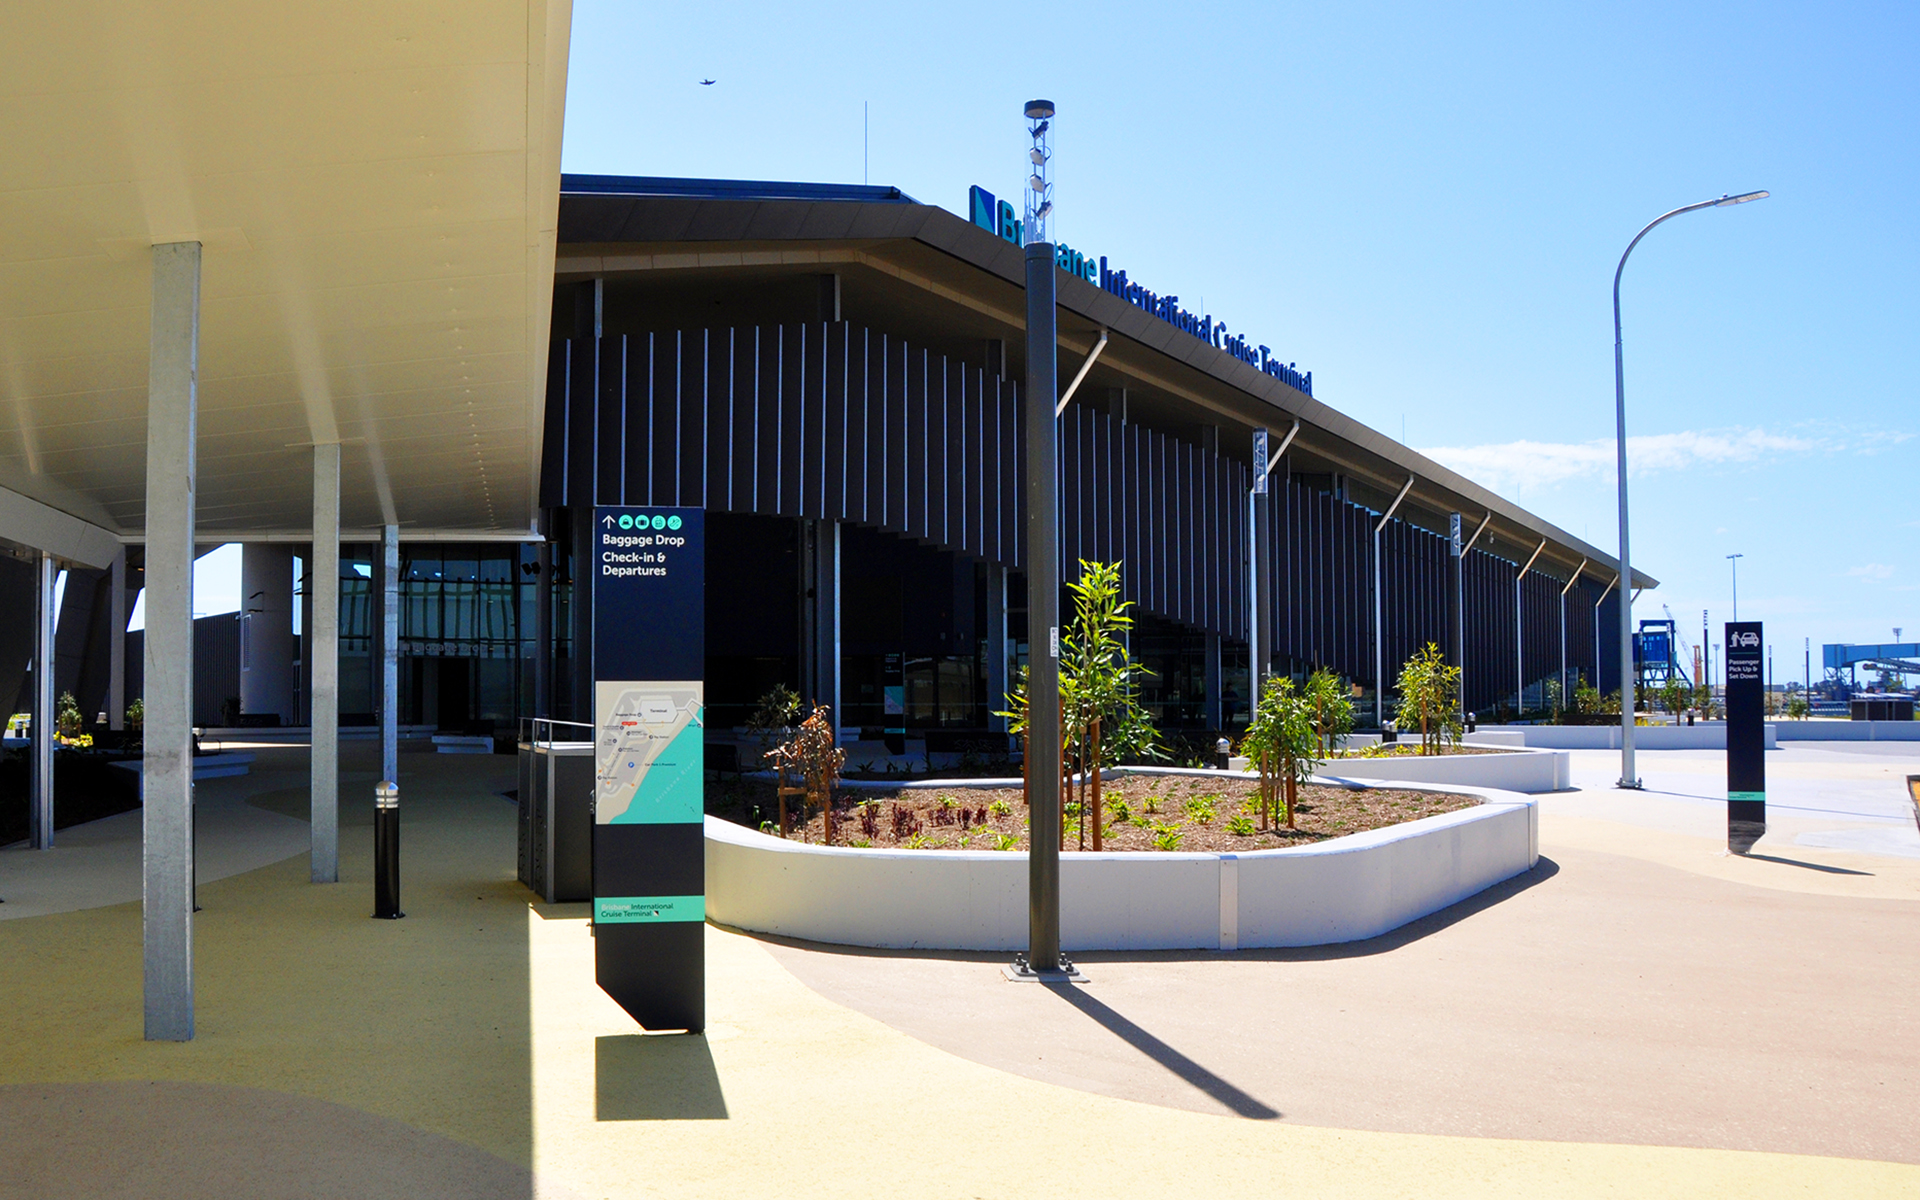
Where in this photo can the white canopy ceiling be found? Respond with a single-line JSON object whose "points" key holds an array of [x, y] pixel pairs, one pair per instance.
{"points": [[375, 185]]}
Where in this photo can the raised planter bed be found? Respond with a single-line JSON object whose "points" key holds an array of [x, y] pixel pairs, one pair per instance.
{"points": [[1338, 890]]}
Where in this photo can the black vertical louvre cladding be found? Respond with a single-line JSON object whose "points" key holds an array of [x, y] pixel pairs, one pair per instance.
{"points": [[848, 423], [839, 421]]}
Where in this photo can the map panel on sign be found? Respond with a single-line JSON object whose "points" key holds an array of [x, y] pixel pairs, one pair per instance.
{"points": [[650, 752]]}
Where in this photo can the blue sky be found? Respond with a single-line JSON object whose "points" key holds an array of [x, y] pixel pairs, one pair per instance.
{"points": [[1424, 206]]}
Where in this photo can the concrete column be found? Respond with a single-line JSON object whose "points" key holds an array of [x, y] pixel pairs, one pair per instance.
{"points": [[1379, 641], [1519, 650], [828, 592], [117, 645], [999, 649], [40, 810], [303, 678], [820, 613], [807, 635], [167, 763], [322, 657], [543, 621], [1456, 607], [266, 636], [390, 653]]}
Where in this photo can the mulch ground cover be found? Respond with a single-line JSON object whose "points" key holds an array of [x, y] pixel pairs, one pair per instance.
{"points": [[1142, 813]]}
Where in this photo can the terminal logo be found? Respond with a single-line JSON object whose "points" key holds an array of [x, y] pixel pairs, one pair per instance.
{"points": [[997, 217]]}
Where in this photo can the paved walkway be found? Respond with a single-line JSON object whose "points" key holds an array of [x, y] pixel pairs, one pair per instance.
{"points": [[1615, 1024]]}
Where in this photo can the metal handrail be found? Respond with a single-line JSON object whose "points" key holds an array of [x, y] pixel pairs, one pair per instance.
{"points": [[530, 730]]}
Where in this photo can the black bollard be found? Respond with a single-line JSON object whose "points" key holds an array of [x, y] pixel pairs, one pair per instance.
{"points": [[1222, 754], [386, 851]]}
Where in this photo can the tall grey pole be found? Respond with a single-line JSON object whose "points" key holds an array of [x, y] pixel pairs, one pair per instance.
{"points": [[1043, 617], [1628, 777], [390, 653], [40, 812], [166, 766], [1379, 641], [117, 645], [322, 655]]}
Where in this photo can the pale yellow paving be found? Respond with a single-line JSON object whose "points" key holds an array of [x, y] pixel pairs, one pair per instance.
{"points": [[824, 1102], [477, 1020]]}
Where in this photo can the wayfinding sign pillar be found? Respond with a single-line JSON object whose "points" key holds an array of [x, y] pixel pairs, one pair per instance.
{"points": [[1746, 736], [649, 850]]}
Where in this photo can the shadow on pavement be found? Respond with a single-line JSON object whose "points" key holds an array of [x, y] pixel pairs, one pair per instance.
{"points": [[1794, 862], [1179, 1064], [665, 1077]]}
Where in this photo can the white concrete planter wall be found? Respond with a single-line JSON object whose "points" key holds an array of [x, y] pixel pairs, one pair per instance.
{"points": [[1845, 731], [1343, 890], [1520, 770], [1645, 737]]}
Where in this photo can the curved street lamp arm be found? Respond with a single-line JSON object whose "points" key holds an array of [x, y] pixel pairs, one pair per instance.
{"points": [[1667, 216]]}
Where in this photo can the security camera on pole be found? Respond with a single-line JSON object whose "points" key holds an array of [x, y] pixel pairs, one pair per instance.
{"points": [[1043, 960]]}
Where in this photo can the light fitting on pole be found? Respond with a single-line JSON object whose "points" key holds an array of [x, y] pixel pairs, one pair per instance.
{"points": [[1040, 182], [1723, 201]]}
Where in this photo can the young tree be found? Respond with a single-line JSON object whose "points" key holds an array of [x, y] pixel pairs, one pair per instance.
{"points": [[1429, 689], [1331, 702], [1103, 722], [1284, 744]]}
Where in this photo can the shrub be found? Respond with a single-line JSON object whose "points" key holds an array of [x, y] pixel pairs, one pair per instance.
{"points": [[1429, 699]]}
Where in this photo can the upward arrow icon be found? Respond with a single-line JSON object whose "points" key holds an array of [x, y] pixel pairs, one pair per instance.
{"points": [[609, 522]]}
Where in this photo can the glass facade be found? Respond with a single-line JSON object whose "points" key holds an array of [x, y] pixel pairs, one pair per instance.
{"points": [[467, 634]]}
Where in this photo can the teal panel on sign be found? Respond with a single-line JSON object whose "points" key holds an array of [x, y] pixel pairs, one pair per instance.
{"points": [[633, 910], [673, 791], [1746, 796]]}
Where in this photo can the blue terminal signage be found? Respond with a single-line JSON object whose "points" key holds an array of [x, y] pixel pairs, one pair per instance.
{"points": [[997, 217]]}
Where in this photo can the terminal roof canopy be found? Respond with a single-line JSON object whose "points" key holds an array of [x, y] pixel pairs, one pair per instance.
{"points": [[724, 251], [375, 187]]}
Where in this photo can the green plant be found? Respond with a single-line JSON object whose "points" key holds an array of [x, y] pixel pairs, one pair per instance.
{"points": [[1151, 804], [1166, 837], [918, 841], [136, 714], [1103, 721], [947, 802], [1331, 703], [1283, 744], [861, 843], [1429, 699], [1242, 826], [1797, 708], [1140, 821], [67, 720], [1200, 809], [1000, 808], [1119, 811], [1005, 841]]}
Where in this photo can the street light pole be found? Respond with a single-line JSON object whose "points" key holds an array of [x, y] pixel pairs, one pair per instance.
{"points": [[1735, 560], [1628, 778]]}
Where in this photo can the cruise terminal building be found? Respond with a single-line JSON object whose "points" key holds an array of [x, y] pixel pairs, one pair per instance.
{"points": [[834, 373]]}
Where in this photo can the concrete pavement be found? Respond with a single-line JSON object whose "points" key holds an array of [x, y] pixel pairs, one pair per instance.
{"points": [[1614, 1024]]}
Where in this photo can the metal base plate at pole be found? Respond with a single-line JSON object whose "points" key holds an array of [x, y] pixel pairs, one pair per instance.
{"points": [[1021, 971]]}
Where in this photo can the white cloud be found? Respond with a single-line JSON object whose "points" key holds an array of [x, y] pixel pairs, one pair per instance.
{"points": [[1872, 571], [1526, 465]]}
